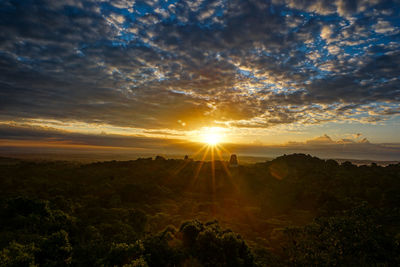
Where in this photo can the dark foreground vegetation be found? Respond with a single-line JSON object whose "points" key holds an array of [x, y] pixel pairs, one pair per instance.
{"points": [[296, 210]]}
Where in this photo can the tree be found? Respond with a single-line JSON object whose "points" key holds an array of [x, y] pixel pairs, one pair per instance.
{"points": [[214, 246], [55, 250], [18, 255], [124, 254], [353, 239]]}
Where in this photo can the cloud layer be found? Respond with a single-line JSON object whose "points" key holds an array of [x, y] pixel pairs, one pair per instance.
{"points": [[186, 64]]}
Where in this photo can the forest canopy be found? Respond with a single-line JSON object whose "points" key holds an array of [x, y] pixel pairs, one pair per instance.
{"points": [[295, 210]]}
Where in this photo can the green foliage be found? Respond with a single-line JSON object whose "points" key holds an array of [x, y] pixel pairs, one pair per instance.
{"points": [[140, 262], [137, 220], [214, 246], [123, 254], [353, 239], [55, 250], [28, 215], [125, 213], [158, 251], [40, 231], [18, 255], [190, 230]]}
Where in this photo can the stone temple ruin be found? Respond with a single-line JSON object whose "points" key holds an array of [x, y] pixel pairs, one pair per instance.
{"points": [[233, 162]]}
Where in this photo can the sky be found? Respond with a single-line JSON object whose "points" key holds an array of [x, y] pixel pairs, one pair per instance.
{"points": [[267, 76]]}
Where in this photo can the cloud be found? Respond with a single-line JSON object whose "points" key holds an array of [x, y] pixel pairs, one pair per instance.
{"points": [[384, 27], [150, 64], [325, 147], [326, 7], [325, 139], [326, 33], [30, 135]]}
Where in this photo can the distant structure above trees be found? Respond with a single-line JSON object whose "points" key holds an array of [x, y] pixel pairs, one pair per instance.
{"points": [[186, 158], [233, 161], [160, 158]]}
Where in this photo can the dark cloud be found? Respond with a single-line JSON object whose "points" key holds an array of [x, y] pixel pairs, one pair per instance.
{"points": [[150, 64], [57, 137]]}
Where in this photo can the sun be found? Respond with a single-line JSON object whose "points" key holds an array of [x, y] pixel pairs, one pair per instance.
{"points": [[211, 136]]}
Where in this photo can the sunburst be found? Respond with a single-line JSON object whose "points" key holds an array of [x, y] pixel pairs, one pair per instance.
{"points": [[212, 136]]}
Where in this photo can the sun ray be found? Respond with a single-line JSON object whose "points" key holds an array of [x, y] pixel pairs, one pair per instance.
{"points": [[194, 180], [224, 149], [213, 179], [251, 219], [224, 164], [182, 166]]}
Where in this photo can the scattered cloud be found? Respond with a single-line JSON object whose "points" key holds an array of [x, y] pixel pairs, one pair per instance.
{"points": [[384, 27], [182, 65]]}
